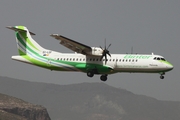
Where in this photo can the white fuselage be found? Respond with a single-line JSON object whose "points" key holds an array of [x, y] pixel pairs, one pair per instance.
{"points": [[120, 62]]}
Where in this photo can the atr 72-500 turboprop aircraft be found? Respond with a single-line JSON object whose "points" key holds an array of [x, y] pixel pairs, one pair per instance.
{"points": [[90, 60]]}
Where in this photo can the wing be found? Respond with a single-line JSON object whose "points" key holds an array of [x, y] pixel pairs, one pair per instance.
{"points": [[73, 45]]}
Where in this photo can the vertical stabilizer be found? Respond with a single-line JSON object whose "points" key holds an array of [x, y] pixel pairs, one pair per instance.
{"points": [[25, 43]]}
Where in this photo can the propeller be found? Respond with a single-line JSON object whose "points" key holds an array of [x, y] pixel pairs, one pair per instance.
{"points": [[105, 51]]}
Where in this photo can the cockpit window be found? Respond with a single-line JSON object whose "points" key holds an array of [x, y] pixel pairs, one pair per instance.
{"points": [[163, 59], [158, 58]]}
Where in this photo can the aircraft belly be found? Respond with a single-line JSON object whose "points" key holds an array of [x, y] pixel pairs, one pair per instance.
{"points": [[139, 70]]}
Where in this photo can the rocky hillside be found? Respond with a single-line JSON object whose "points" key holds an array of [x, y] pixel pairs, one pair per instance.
{"points": [[12, 108], [90, 101]]}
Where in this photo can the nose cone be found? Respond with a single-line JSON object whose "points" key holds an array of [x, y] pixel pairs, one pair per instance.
{"points": [[169, 66]]}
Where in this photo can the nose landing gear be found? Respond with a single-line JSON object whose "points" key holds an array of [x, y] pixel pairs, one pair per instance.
{"points": [[162, 75]]}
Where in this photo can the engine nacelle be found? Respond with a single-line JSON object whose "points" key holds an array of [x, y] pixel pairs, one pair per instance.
{"points": [[96, 51]]}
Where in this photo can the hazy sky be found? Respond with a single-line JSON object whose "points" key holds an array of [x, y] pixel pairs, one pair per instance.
{"points": [[147, 25]]}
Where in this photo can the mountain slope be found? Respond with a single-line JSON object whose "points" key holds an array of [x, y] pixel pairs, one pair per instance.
{"points": [[87, 101], [12, 108]]}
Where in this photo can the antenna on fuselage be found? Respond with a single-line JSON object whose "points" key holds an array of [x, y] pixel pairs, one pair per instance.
{"points": [[131, 50]]}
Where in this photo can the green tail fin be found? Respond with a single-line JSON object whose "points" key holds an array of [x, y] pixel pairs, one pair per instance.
{"points": [[25, 43]]}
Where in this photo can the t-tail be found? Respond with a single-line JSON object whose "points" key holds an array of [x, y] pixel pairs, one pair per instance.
{"points": [[27, 47], [25, 43]]}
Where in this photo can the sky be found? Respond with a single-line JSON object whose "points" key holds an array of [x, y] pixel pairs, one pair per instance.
{"points": [[146, 25]]}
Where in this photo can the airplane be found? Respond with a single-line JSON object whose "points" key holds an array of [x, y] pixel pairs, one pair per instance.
{"points": [[90, 60]]}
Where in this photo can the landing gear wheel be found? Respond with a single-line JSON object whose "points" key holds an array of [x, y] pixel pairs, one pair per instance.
{"points": [[90, 74], [162, 77], [103, 77]]}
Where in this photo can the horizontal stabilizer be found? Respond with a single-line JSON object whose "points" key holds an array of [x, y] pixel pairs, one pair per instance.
{"points": [[20, 59], [17, 29]]}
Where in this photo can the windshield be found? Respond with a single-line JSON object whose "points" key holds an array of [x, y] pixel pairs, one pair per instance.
{"points": [[159, 58]]}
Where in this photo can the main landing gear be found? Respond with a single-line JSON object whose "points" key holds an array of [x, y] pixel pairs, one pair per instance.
{"points": [[162, 75], [103, 77], [91, 74]]}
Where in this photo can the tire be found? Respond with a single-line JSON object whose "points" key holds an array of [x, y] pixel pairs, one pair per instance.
{"points": [[103, 77], [162, 77], [90, 74]]}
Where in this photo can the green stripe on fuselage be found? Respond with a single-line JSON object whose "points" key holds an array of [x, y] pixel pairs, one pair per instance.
{"points": [[166, 62], [84, 67]]}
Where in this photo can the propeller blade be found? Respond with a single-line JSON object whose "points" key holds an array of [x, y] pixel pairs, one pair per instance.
{"points": [[105, 51], [109, 54], [102, 56], [108, 46], [105, 43], [105, 58]]}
